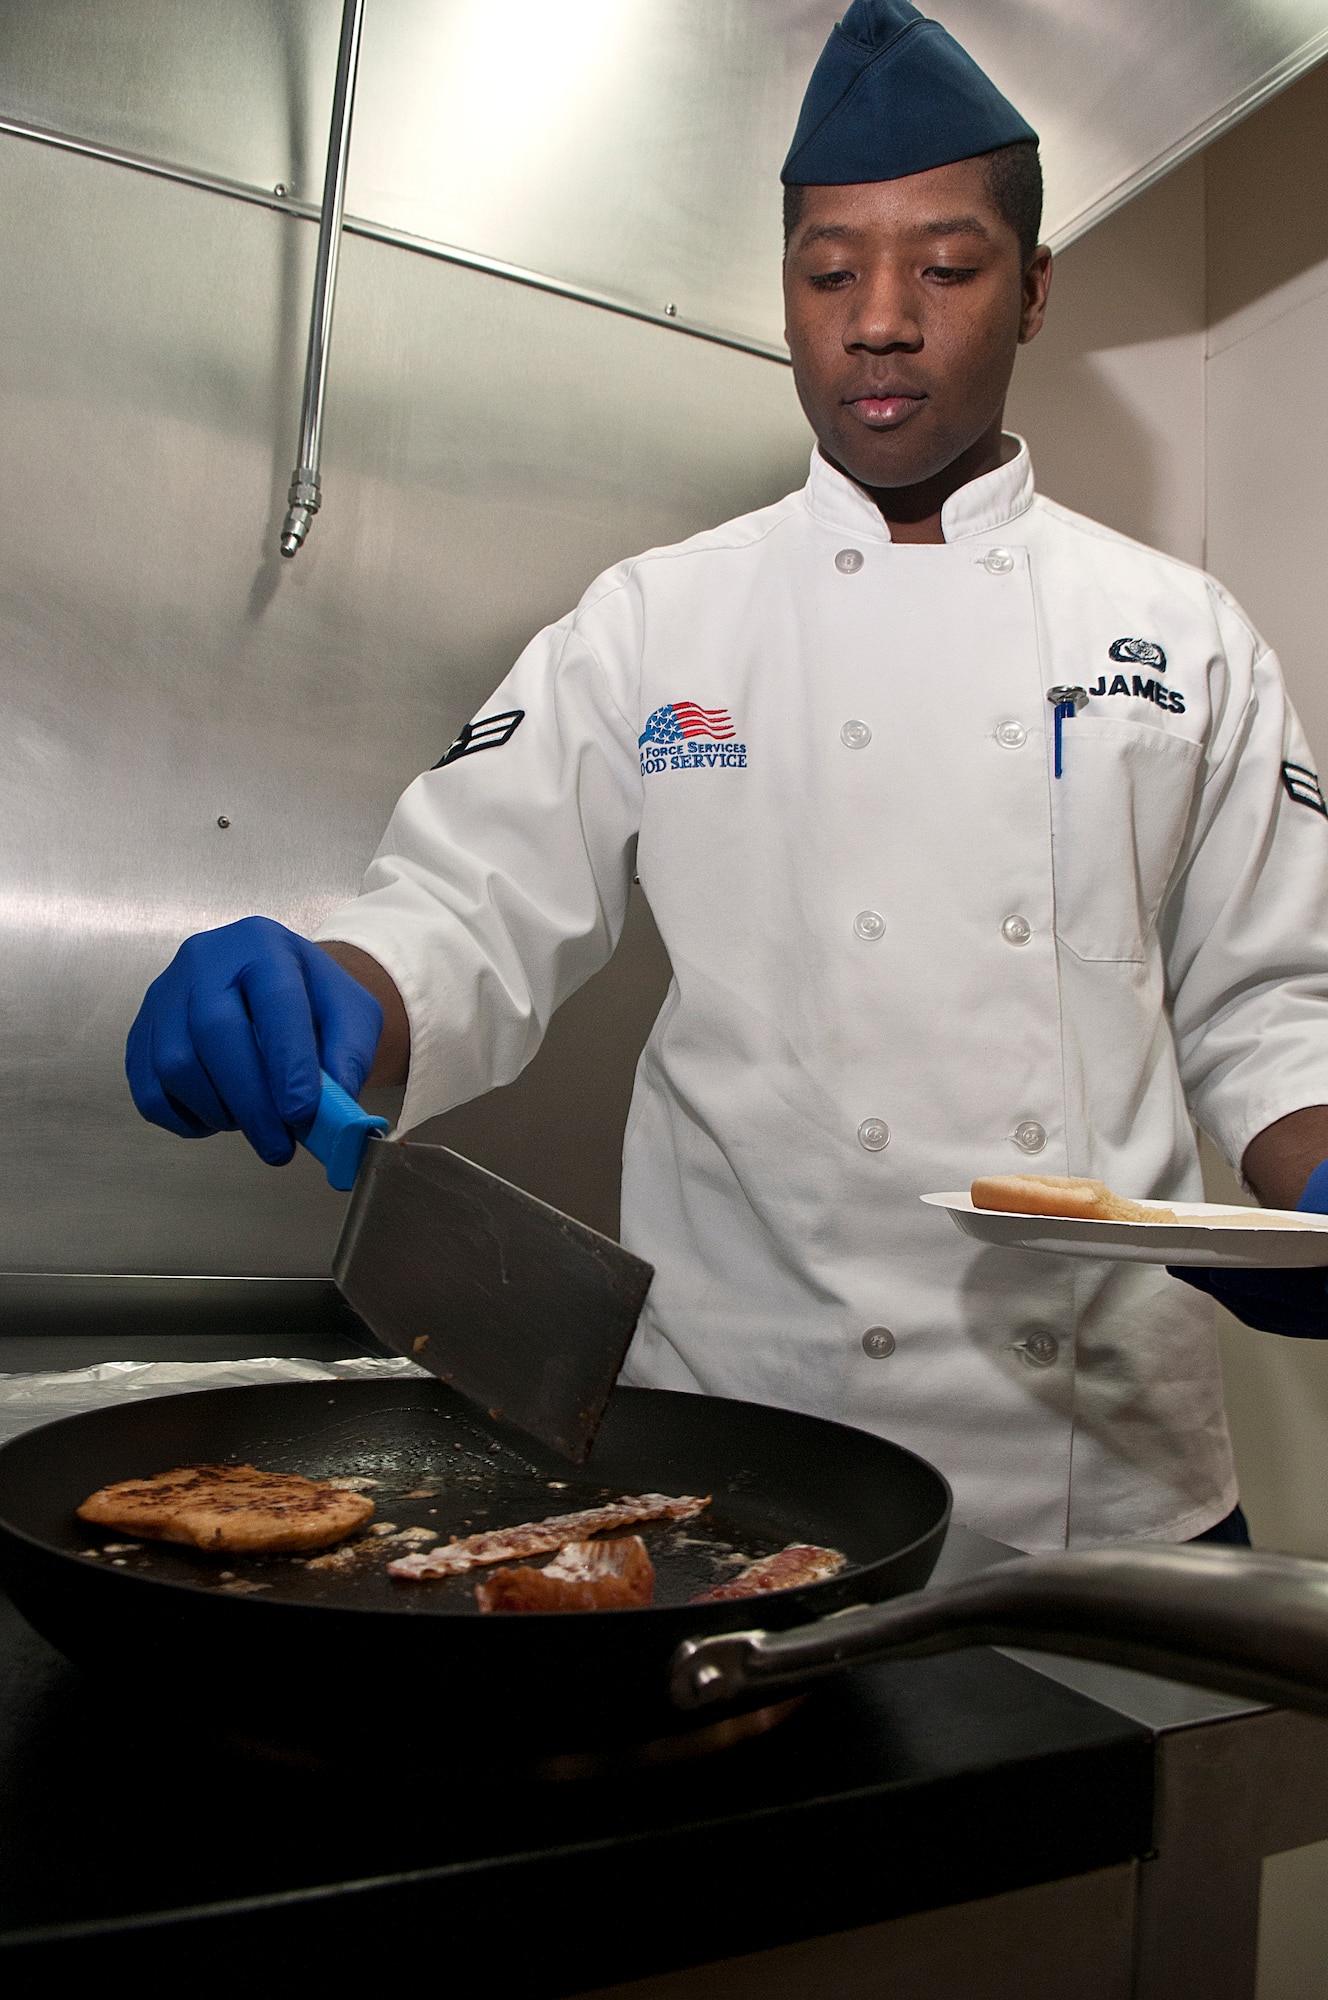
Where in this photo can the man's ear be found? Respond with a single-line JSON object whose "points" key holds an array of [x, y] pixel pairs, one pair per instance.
{"points": [[1036, 285]]}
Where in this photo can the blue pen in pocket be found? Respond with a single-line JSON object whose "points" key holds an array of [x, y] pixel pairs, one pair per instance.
{"points": [[1067, 702]]}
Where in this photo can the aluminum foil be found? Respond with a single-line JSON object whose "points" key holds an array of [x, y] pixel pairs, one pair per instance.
{"points": [[29, 1400]]}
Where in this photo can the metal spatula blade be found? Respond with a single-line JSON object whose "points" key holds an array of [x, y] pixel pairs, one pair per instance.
{"points": [[525, 1311]]}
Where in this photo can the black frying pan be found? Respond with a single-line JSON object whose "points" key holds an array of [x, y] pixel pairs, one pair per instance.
{"points": [[264, 1639]]}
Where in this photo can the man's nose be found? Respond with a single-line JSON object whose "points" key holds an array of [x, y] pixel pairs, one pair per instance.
{"points": [[884, 317]]}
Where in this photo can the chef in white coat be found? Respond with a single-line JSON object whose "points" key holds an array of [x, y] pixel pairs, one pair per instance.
{"points": [[979, 836]]}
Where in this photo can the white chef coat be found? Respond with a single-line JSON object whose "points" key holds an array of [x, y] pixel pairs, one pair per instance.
{"points": [[904, 953]]}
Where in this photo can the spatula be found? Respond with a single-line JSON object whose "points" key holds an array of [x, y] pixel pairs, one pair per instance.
{"points": [[525, 1311]]}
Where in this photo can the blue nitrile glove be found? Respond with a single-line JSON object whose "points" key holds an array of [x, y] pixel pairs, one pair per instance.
{"points": [[1289, 1302], [236, 1030]]}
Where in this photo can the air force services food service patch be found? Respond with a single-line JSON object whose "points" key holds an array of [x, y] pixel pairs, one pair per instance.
{"points": [[682, 736]]}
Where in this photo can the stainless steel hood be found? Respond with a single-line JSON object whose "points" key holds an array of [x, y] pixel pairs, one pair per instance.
{"points": [[1121, 90], [625, 150]]}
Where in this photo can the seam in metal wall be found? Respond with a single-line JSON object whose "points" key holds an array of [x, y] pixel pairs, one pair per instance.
{"points": [[381, 232]]}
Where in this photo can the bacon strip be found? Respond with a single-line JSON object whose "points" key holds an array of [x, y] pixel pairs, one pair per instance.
{"points": [[799, 1563], [583, 1576], [537, 1538]]}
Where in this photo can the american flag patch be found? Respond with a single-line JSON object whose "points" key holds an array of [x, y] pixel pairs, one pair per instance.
{"points": [[685, 722], [490, 733]]}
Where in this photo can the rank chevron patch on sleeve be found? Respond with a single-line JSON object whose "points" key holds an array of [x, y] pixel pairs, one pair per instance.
{"points": [[490, 733]]}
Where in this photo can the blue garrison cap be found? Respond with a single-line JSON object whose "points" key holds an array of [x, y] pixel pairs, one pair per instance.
{"points": [[894, 94]]}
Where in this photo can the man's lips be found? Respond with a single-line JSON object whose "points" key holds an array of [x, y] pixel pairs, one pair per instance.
{"points": [[885, 410]]}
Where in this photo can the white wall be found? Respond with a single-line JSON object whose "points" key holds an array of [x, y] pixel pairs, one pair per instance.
{"points": [[1180, 393], [1267, 382], [1110, 394]]}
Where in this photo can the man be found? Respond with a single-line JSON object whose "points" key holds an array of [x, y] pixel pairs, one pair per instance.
{"points": [[909, 943]]}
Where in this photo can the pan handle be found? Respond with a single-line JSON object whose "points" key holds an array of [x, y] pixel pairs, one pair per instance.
{"points": [[1245, 1623]]}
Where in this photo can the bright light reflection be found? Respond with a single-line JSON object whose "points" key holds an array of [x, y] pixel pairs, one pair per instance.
{"points": [[530, 67], [495, 94]]}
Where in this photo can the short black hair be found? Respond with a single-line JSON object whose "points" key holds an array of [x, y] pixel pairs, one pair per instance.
{"points": [[1014, 181]]}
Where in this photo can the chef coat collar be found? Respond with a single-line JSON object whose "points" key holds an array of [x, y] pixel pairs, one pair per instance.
{"points": [[979, 508]]}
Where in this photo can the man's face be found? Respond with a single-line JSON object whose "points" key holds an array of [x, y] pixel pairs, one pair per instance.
{"points": [[905, 302]]}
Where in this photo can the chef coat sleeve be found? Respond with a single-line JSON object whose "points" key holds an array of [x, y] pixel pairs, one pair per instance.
{"points": [[1245, 926], [501, 883]]}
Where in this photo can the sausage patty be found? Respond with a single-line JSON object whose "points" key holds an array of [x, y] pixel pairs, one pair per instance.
{"points": [[229, 1507]]}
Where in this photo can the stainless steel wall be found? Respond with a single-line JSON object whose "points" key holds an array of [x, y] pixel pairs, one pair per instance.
{"points": [[489, 449], [627, 146]]}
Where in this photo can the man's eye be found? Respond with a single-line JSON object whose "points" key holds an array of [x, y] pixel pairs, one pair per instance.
{"points": [[950, 274], [829, 281]]}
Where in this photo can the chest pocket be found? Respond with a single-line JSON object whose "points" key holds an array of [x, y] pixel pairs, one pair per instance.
{"points": [[1118, 818]]}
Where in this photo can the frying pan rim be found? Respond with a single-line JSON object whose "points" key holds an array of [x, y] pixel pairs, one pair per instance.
{"points": [[800, 1595]]}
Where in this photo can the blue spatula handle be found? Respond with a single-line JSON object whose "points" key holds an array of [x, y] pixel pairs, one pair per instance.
{"points": [[340, 1133]]}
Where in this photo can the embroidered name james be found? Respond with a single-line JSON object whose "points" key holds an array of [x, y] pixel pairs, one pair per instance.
{"points": [[1143, 690]]}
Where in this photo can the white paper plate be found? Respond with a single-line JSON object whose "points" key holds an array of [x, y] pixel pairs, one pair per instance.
{"points": [[1198, 1238]]}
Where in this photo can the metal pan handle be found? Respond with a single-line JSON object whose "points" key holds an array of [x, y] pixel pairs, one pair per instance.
{"points": [[1245, 1623]]}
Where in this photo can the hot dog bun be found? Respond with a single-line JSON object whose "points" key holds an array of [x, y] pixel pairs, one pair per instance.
{"points": [[1070, 1195]]}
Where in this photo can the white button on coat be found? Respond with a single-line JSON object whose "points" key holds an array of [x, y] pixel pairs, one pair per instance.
{"points": [[1016, 930], [1011, 735], [878, 1343], [998, 562], [1029, 1136], [502, 883], [869, 925], [855, 735], [873, 1135], [849, 561]]}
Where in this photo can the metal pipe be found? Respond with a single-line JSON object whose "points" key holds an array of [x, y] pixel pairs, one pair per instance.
{"points": [[305, 496]]}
